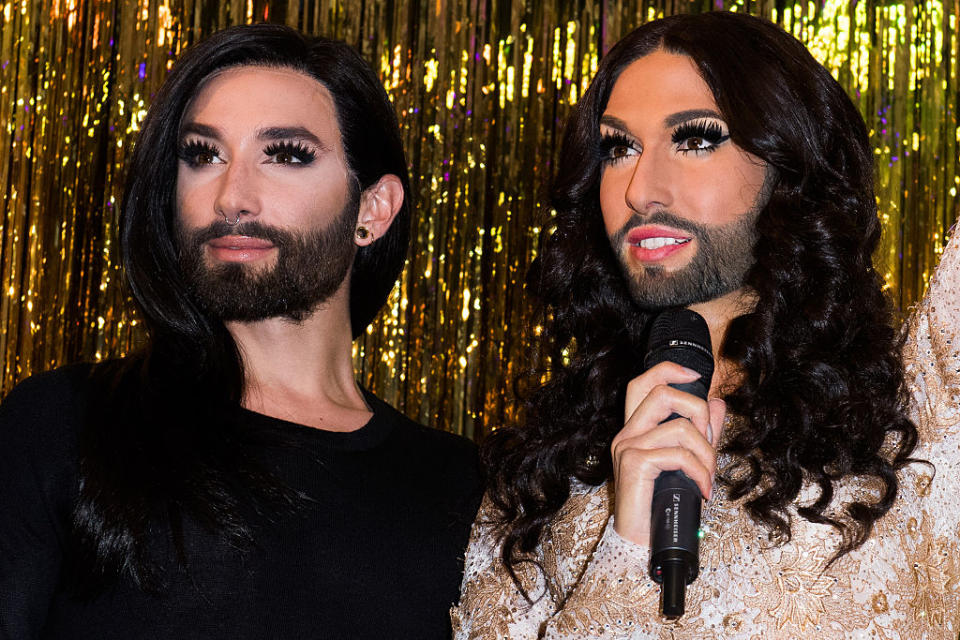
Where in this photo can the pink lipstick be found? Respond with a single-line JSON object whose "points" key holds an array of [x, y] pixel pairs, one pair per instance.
{"points": [[653, 243]]}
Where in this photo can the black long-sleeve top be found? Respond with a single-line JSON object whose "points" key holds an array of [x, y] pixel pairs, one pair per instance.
{"points": [[375, 552]]}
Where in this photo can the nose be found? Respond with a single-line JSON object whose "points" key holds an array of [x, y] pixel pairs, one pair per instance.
{"points": [[237, 194], [651, 184]]}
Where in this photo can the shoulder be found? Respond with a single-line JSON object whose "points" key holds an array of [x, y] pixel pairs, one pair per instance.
{"points": [[932, 364], [40, 420], [67, 379], [932, 350], [55, 396], [581, 520], [577, 526], [932, 361], [428, 441], [443, 443], [449, 462]]}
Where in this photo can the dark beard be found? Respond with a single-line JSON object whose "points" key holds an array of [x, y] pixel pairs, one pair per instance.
{"points": [[724, 255], [309, 268]]}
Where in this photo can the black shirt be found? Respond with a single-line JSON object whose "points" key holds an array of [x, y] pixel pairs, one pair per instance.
{"points": [[375, 550]]}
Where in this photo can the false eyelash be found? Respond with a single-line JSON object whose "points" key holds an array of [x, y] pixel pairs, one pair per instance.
{"points": [[709, 130], [609, 141], [188, 151], [295, 149]]}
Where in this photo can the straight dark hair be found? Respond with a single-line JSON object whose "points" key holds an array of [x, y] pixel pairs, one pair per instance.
{"points": [[160, 440], [822, 397]]}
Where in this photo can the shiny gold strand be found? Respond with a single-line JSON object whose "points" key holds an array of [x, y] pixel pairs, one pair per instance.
{"points": [[482, 90]]}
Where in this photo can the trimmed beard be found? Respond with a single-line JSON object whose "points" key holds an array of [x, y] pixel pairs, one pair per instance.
{"points": [[724, 256], [309, 268]]}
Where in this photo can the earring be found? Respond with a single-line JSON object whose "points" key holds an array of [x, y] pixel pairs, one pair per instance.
{"points": [[363, 233]]}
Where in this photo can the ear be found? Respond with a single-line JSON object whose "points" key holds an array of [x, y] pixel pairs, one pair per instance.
{"points": [[379, 204]]}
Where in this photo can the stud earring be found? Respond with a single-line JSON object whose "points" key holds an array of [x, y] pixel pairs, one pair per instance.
{"points": [[363, 233]]}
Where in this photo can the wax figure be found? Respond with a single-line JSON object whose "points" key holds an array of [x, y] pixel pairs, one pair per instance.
{"points": [[231, 479], [713, 164]]}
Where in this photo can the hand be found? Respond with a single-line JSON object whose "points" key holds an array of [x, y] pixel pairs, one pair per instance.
{"points": [[644, 447]]}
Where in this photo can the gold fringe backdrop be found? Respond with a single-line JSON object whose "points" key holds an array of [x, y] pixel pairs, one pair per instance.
{"points": [[482, 89]]}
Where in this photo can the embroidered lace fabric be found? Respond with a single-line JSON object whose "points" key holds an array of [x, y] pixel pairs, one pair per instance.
{"points": [[904, 582]]}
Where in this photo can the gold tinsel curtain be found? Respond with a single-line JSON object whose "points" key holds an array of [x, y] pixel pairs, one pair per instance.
{"points": [[482, 88]]}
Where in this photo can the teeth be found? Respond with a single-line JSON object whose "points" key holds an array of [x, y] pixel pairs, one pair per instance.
{"points": [[656, 243]]}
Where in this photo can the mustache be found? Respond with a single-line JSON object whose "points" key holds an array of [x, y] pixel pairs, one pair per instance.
{"points": [[661, 217]]}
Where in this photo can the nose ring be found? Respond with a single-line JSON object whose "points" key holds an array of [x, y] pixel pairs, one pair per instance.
{"points": [[227, 220]]}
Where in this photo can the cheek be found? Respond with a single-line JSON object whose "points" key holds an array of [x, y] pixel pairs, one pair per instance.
{"points": [[308, 196], [189, 200], [721, 196], [310, 201], [744, 190], [613, 204]]}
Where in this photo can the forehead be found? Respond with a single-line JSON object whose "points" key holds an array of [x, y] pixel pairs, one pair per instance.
{"points": [[659, 83], [264, 96]]}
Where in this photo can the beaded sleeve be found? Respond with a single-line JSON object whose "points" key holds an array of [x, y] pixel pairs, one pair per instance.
{"points": [[593, 582]]}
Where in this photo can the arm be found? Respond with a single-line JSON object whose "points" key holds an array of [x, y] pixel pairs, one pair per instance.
{"points": [[930, 590], [33, 497], [932, 352], [612, 597], [597, 585]]}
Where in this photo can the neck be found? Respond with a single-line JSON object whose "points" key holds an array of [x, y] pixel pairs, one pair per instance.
{"points": [[718, 314], [303, 371]]}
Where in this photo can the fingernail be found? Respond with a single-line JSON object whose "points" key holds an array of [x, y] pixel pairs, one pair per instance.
{"points": [[709, 433], [692, 372]]}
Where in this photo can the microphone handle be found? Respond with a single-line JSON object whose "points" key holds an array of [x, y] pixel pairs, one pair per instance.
{"points": [[675, 541]]}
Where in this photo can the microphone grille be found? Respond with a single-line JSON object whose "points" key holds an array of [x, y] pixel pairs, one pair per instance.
{"points": [[679, 324], [682, 336]]}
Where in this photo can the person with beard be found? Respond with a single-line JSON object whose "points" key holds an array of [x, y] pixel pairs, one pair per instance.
{"points": [[231, 479], [714, 165]]}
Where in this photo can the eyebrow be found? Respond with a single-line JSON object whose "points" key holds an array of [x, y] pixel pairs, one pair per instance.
{"points": [[670, 121], [614, 123], [196, 128], [690, 114], [269, 133], [286, 133]]}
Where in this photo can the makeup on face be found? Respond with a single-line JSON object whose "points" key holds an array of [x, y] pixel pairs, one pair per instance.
{"points": [[262, 145], [679, 198]]}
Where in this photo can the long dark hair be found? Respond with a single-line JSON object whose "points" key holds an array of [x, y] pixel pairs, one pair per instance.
{"points": [[822, 392], [160, 441]]}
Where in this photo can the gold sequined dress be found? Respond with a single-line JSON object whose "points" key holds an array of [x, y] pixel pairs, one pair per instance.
{"points": [[904, 582]]}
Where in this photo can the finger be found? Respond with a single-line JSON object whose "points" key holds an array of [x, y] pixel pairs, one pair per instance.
{"points": [[718, 413], [675, 433], [663, 373], [662, 402], [638, 468]]}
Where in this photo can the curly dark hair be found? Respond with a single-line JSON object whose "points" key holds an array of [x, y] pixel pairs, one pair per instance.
{"points": [[822, 394]]}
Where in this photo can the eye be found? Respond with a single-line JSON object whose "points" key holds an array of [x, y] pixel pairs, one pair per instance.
{"points": [[701, 136], [695, 143], [290, 153], [198, 154], [616, 147]]}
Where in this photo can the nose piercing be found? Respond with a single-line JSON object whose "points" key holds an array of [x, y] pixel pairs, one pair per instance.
{"points": [[227, 220]]}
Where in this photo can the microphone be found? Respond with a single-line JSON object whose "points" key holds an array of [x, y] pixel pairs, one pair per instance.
{"points": [[681, 336]]}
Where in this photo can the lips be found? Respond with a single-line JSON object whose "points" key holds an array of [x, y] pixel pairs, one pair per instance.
{"points": [[239, 248], [653, 243]]}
